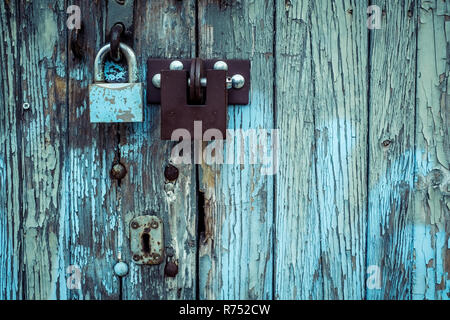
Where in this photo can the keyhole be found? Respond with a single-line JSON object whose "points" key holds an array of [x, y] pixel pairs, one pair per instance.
{"points": [[145, 243]]}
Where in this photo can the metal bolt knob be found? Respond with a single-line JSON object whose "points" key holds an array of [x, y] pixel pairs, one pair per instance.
{"points": [[121, 269], [238, 81], [176, 65], [156, 80], [220, 65]]}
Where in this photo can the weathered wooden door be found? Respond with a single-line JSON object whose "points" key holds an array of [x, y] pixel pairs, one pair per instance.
{"points": [[358, 207]]}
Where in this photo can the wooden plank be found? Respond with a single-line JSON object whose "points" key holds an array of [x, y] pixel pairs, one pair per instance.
{"points": [[92, 195], [164, 29], [391, 154], [297, 251], [339, 54], [42, 51], [11, 277], [235, 258], [431, 201]]}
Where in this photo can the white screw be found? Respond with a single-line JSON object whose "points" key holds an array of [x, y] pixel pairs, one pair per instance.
{"points": [[156, 80], [176, 65], [26, 106], [220, 65]]}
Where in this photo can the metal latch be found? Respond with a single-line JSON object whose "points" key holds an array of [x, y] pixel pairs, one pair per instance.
{"points": [[147, 245], [196, 90]]}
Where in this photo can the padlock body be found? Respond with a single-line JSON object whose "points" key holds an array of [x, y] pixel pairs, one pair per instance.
{"points": [[116, 102]]}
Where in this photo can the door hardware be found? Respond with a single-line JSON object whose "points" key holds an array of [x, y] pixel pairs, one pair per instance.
{"points": [[116, 102], [196, 90], [146, 236]]}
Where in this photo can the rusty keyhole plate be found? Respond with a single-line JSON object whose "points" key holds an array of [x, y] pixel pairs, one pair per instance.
{"points": [[147, 245]]}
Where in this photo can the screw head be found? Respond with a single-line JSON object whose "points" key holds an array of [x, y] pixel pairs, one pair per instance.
{"points": [[26, 106], [220, 65], [171, 269], [176, 65], [171, 173], [134, 225], [156, 80], [136, 257], [238, 81], [118, 171], [154, 225], [121, 269]]}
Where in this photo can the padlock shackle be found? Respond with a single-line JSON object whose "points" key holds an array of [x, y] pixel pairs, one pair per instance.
{"points": [[99, 74]]}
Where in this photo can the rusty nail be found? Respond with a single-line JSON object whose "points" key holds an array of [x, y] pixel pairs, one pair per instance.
{"points": [[118, 171], [134, 225], [171, 269], [171, 173], [136, 257]]}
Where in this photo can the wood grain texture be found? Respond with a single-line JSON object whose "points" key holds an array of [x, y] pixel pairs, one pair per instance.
{"points": [[164, 29], [431, 199], [298, 272], [235, 257], [339, 54], [391, 143], [11, 250], [43, 135], [92, 195]]}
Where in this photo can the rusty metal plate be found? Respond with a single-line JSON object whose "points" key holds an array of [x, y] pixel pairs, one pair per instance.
{"points": [[146, 235], [235, 96], [176, 113], [116, 102]]}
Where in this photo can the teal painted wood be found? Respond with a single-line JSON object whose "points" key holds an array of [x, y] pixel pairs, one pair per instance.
{"points": [[339, 52], [391, 154], [298, 270], [42, 146], [431, 277], [236, 247], [164, 29], [92, 195], [370, 122], [11, 276]]}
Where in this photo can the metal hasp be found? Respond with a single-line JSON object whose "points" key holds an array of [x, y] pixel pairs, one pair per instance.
{"points": [[121, 11], [146, 235], [116, 102], [196, 90]]}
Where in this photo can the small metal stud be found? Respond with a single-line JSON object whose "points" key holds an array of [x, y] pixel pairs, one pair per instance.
{"points": [[238, 81], [176, 65], [156, 80], [171, 270], [26, 106], [118, 171], [221, 65], [121, 269]]}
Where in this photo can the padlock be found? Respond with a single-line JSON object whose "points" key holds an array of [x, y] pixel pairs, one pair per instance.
{"points": [[116, 102]]}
